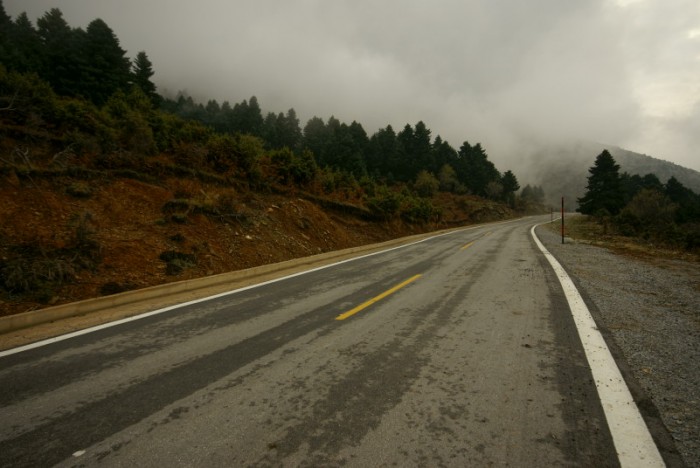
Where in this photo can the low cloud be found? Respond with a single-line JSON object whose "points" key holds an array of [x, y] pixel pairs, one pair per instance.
{"points": [[506, 73]]}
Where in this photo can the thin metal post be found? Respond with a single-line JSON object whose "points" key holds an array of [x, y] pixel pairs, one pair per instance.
{"points": [[562, 220]]}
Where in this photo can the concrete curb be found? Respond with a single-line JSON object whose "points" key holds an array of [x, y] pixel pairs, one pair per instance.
{"points": [[181, 291]]}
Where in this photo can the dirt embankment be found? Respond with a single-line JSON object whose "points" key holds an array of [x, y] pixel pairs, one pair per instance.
{"points": [[64, 239]]}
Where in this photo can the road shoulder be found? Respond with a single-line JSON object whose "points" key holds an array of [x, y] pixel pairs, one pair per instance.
{"points": [[647, 314]]}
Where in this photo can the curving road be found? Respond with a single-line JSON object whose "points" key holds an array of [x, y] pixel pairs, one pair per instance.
{"points": [[456, 351]]}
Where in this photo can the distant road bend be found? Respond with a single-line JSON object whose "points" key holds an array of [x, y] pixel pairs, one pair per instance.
{"points": [[460, 350]]}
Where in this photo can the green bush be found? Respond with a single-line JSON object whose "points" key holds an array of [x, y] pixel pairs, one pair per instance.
{"points": [[418, 210], [426, 185], [386, 203], [649, 214], [176, 262], [31, 99], [294, 169]]}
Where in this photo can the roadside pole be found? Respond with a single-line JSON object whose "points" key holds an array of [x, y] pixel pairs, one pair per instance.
{"points": [[562, 220]]}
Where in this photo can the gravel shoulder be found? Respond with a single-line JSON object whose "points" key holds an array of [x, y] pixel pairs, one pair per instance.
{"points": [[649, 312]]}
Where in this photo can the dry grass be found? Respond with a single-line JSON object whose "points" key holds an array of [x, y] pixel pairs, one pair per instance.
{"points": [[585, 229]]}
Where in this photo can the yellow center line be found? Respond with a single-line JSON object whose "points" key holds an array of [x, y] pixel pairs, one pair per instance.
{"points": [[467, 246], [352, 312]]}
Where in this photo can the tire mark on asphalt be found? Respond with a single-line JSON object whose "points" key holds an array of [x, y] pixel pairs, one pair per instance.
{"points": [[357, 402], [58, 438]]}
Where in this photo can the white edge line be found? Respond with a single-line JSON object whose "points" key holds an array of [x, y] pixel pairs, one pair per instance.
{"points": [[85, 331], [634, 445]]}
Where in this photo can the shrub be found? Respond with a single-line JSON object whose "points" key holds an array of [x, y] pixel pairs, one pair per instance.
{"points": [[385, 204], [176, 262], [35, 274], [426, 185], [418, 210], [221, 152], [79, 190], [31, 99], [179, 218], [38, 272], [85, 249], [649, 213], [291, 168]]}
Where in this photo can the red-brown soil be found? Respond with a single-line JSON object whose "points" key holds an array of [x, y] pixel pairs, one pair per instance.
{"points": [[127, 220]]}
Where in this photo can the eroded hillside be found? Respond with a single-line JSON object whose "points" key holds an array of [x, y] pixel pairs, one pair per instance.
{"points": [[71, 235]]}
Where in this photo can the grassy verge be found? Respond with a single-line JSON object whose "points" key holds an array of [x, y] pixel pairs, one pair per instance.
{"points": [[586, 230]]}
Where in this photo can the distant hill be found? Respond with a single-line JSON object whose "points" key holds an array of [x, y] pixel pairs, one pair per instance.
{"points": [[563, 170]]}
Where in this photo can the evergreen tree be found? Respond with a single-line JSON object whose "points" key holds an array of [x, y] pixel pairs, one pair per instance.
{"points": [[27, 54], [5, 19], [290, 130], [246, 117], [142, 71], [270, 129], [405, 169], [688, 201], [108, 69], [253, 119], [510, 186], [604, 192], [443, 154], [476, 169], [64, 65], [315, 138], [213, 116], [383, 152], [5, 30], [422, 149]]}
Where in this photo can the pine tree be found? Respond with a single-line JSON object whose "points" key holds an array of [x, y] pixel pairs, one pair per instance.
{"points": [[253, 119], [476, 170], [604, 192], [63, 67], [383, 152], [28, 53], [142, 70], [510, 186], [316, 138], [107, 69], [6, 27]]}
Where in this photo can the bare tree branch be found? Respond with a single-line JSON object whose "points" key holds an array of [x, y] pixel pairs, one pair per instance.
{"points": [[12, 101]]}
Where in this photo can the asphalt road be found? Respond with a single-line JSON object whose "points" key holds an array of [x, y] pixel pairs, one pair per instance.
{"points": [[456, 351]]}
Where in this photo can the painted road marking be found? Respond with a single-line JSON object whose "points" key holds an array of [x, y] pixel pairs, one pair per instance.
{"points": [[634, 445], [364, 305], [467, 245], [85, 331]]}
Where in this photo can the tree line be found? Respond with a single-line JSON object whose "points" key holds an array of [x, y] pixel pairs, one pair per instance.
{"points": [[386, 155], [91, 64], [88, 63], [642, 205]]}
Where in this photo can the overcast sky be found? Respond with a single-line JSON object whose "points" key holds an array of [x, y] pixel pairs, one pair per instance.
{"points": [[506, 73]]}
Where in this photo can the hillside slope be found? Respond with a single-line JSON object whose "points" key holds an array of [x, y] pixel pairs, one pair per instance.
{"points": [[562, 170], [65, 238]]}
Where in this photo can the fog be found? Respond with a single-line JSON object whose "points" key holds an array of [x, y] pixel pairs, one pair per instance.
{"points": [[510, 74]]}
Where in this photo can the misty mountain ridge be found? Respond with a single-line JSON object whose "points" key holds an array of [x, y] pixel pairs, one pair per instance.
{"points": [[562, 169]]}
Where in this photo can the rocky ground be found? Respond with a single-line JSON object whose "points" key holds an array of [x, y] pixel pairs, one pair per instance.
{"points": [[649, 308]]}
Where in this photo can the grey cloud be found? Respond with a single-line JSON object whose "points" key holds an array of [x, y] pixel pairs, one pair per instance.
{"points": [[504, 72]]}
